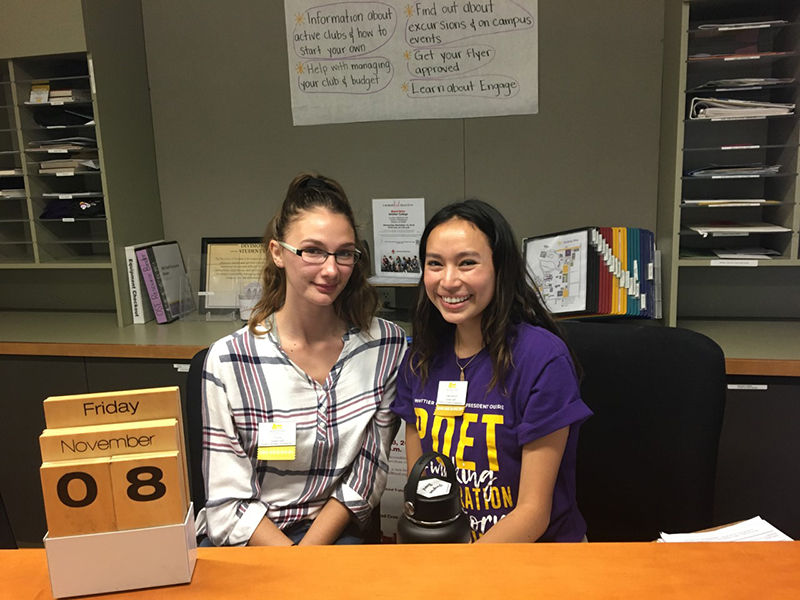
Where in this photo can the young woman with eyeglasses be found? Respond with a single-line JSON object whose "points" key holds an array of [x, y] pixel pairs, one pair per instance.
{"points": [[489, 382], [297, 426]]}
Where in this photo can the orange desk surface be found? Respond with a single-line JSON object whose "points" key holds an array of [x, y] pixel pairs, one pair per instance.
{"points": [[500, 572]]}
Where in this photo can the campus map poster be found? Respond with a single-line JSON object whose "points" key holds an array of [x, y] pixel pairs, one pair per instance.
{"points": [[429, 59], [558, 266]]}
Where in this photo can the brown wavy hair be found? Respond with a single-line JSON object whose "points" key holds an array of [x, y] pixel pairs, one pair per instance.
{"points": [[515, 301], [359, 301]]}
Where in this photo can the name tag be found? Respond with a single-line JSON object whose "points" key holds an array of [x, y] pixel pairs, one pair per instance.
{"points": [[451, 398], [277, 441]]}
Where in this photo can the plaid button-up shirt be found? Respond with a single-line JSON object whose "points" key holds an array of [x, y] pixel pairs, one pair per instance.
{"points": [[344, 430]]}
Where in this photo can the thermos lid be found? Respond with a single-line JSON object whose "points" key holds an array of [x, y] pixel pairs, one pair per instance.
{"points": [[432, 500]]}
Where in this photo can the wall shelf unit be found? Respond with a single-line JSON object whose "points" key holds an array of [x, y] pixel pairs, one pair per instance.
{"points": [[728, 189], [80, 163]]}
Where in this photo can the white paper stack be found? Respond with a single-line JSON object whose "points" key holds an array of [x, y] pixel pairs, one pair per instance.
{"points": [[752, 530]]}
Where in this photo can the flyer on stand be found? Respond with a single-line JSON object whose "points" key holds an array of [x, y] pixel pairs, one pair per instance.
{"points": [[398, 224]]}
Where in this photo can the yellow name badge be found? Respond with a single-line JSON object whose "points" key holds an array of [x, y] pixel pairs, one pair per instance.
{"points": [[451, 399], [277, 441]]}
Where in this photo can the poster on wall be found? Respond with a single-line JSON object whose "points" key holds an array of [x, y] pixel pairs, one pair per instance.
{"points": [[433, 59], [397, 226]]}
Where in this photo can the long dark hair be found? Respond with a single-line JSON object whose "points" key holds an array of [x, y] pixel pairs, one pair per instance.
{"points": [[516, 300], [357, 303]]}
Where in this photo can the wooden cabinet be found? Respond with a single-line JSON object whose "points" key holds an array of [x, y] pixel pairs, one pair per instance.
{"points": [[29, 380], [758, 472]]}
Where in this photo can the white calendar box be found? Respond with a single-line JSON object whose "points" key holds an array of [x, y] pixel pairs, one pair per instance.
{"points": [[122, 560]]}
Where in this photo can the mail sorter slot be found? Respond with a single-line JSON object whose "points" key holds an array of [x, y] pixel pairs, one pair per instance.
{"points": [[706, 292], [779, 189], [77, 230], [14, 232], [748, 214], [696, 246], [16, 253], [778, 92], [784, 157], [13, 209], [52, 187]]}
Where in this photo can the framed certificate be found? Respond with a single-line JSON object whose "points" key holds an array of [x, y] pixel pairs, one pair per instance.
{"points": [[227, 267]]}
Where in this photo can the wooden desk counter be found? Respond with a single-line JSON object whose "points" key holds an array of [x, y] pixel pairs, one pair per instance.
{"points": [[641, 571], [752, 348]]}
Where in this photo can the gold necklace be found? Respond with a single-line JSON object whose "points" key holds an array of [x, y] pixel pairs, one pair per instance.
{"points": [[465, 366], [468, 362]]}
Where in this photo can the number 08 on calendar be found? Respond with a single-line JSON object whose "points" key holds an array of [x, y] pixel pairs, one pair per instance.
{"points": [[113, 462]]}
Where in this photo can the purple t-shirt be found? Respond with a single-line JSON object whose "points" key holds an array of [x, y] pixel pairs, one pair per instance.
{"points": [[485, 443]]}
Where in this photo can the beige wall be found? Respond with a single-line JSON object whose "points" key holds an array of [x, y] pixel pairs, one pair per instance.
{"points": [[38, 27], [227, 148]]}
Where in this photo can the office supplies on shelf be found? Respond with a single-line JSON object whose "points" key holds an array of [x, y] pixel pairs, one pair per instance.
{"points": [[735, 171], [166, 280], [701, 56], [752, 530], [69, 164], [722, 228], [741, 25], [730, 202], [40, 93], [141, 308], [596, 271], [70, 195], [70, 95], [745, 253], [744, 83], [721, 108], [71, 209], [78, 142]]}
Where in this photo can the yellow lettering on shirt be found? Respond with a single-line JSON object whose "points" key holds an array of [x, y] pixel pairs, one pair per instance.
{"points": [[465, 441], [495, 498], [491, 441], [477, 492], [466, 499], [422, 421], [508, 501], [450, 426]]}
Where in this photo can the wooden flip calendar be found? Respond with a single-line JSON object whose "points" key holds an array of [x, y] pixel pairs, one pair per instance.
{"points": [[115, 484]]}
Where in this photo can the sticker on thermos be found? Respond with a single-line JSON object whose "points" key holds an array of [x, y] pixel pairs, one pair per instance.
{"points": [[433, 488]]}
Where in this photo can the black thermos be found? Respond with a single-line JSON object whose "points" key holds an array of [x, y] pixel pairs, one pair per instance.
{"points": [[432, 509]]}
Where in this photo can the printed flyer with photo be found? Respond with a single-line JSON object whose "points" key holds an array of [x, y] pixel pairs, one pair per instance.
{"points": [[397, 227]]}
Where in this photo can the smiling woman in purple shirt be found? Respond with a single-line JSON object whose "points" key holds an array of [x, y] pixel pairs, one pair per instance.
{"points": [[489, 382]]}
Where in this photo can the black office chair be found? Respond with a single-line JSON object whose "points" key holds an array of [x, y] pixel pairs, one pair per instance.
{"points": [[647, 458], [194, 421], [194, 426]]}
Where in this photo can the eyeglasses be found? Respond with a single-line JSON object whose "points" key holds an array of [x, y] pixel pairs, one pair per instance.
{"points": [[316, 256]]}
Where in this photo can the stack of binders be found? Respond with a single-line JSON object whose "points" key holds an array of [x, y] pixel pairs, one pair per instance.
{"points": [[597, 272]]}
